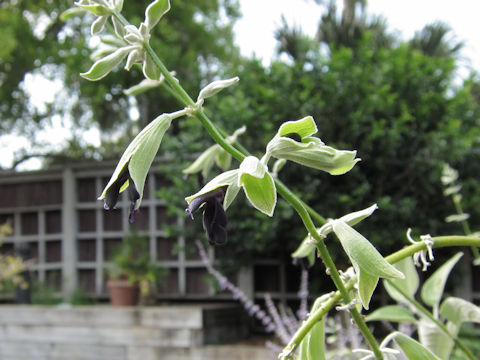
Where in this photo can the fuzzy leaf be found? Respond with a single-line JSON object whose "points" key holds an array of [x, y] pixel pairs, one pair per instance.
{"points": [[458, 311], [228, 178], [215, 87], [150, 70], [261, 192], [412, 349], [71, 12], [432, 289], [432, 337], [363, 253], [118, 27], [144, 85], [252, 166], [98, 25], [409, 285], [316, 341], [393, 313], [140, 153], [357, 216], [204, 162], [369, 265], [102, 67], [99, 10], [314, 154], [223, 159], [303, 127], [155, 12], [305, 248], [366, 285]]}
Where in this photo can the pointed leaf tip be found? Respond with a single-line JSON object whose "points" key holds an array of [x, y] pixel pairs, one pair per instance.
{"points": [[155, 12]]}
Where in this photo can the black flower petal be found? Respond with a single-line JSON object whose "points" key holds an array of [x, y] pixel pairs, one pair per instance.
{"points": [[214, 216], [294, 136], [111, 196], [133, 196], [113, 192], [215, 222]]}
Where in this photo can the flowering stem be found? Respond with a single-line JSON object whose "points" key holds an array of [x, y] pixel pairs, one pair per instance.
{"points": [[282, 190], [438, 242], [330, 265], [303, 210], [429, 315]]}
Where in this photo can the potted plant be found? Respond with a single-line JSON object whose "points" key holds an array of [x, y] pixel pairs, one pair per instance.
{"points": [[132, 274]]}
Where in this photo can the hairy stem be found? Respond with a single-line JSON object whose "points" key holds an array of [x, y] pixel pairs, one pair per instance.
{"points": [[432, 318], [438, 242], [303, 210], [330, 265]]}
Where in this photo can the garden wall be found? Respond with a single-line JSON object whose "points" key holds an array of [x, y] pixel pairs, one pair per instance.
{"points": [[132, 333]]}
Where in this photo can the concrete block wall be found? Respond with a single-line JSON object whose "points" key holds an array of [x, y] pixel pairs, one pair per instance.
{"points": [[108, 333]]}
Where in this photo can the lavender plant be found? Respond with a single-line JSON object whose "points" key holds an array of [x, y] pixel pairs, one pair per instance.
{"points": [[293, 142]]}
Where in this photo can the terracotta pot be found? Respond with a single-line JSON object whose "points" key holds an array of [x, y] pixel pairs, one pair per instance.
{"points": [[122, 293]]}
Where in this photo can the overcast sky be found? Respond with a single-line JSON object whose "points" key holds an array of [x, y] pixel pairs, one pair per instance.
{"points": [[254, 34], [261, 17]]}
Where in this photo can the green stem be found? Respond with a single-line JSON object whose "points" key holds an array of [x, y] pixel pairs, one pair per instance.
{"points": [[429, 315], [302, 209], [465, 226], [330, 265], [438, 242], [282, 190]]}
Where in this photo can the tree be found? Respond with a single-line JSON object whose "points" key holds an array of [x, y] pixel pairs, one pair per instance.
{"points": [[197, 39]]}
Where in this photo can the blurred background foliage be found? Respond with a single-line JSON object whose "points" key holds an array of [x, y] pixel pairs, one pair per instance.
{"points": [[400, 104]]}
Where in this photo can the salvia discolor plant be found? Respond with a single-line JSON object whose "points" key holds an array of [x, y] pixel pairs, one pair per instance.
{"points": [[295, 141]]}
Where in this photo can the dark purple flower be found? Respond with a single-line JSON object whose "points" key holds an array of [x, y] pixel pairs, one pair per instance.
{"points": [[214, 217], [112, 193]]}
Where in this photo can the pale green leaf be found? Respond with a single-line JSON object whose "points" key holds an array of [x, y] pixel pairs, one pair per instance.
{"points": [[432, 289], [215, 87], [369, 265], [71, 12], [102, 67], [357, 216], [98, 25], [118, 5], [150, 70], [261, 192], [144, 85], [118, 27], [457, 218], [303, 127], [412, 349], [363, 253], [155, 12], [409, 285], [252, 166], [302, 351], [224, 179], [140, 153], [366, 285], [314, 154], [204, 162], [230, 194], [316, 341], [393, 313], [458, 310], [305, 248], [99, 10], [435, 339], [223, 159]]}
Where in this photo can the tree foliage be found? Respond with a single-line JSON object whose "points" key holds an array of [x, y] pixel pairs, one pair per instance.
{"points": [[395, 102]]}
